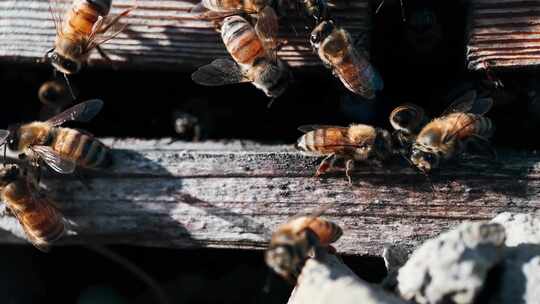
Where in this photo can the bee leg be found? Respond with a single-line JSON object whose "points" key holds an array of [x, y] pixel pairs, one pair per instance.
{"points": [[104, 55], [47, 54], [349, 165], [326, 164]]}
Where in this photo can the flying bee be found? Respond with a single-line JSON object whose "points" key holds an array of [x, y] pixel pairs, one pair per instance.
{"points": [[60, 148], [293, 243], [357, 142], [460, 127], [337, 51], [80, 28], [254, 54], [407, 121], [41, 221]]}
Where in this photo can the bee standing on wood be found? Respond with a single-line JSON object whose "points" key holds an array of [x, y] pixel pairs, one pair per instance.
{"points": [[293, 243], [460, 127], [84, 26], [254, 54], [62, 149], [337, 51], [42, 222], [407, 121], [357, 142]]}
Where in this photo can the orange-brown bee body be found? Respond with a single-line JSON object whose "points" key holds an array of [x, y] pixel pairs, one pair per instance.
{"points": [[357, 142], [293, 242], [41, 221], [234, 5], [337, 51]]}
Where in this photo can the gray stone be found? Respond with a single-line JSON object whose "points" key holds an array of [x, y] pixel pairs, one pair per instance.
{"points": [[520, 228], [395, 256], [452, 268]]}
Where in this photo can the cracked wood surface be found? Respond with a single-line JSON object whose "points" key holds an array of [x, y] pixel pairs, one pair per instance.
{"points": [[233, 194], [160, 34]]}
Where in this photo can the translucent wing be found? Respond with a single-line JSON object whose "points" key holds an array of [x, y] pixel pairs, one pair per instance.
{"points": [[4, 134], [462, 104], [267, 27], [83, 112], [107, 28], [54, 160], [219, 72], [58, 9], [309, 128]]}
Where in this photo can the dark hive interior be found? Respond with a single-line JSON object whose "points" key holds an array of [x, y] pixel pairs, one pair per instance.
{"points": [[422, 60]]}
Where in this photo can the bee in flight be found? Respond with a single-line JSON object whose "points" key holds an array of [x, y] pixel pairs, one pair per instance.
{"points": [[80, 28], [295, 241], [357, 142], [254, 54], [407, 121], [460, 127], [337, 51], [60, 148], [41, 221]]}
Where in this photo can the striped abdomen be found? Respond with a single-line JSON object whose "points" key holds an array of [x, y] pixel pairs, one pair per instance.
{"points": [[80, 19], [323, 141], [41, 221], [467, 124], [241, 40], [80, 147], [326, 231], [353, 69]]}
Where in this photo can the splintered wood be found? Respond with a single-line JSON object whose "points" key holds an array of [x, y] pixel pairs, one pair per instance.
{"points": [[161, 34], [233, 195], [503, 34]]}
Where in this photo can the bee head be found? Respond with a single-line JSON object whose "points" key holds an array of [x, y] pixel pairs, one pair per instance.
{"points": [[12, 140], [286, 255], [274, 78], [323, 30], [63, 64], [424, 160]]}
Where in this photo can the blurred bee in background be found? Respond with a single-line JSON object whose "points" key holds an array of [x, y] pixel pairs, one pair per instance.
{"points": [[337, 51], [357, 142], [55, 96], [80, 28], [407, 121], [460, 127], [40, 219], [295, 241], [254, 51], [62, 149]]}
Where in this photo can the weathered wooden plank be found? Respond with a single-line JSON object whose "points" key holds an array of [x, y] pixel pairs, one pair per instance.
{"points": [[231, 195], [503, 34], [161, 34]]}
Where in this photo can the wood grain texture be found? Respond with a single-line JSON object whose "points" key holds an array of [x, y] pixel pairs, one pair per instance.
{"points": [[232, 195], [503, 34], [161, 34]]}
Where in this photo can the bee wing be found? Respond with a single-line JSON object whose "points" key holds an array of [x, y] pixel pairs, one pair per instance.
{"points": [[58, 8], [82, 112], [267, 27], [219, 72], [468, 103], [4, 134], [54, 160], [107, 28], [309, 128]]}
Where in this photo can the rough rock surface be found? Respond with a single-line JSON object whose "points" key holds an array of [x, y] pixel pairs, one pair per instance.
{"points": [[328, 280], [452, 268], [520, 228], [395, 256]]}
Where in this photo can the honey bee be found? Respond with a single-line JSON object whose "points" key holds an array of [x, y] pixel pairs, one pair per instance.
{"points": [[357, 142], [41, 221], [293, 243], [254, 54], [337, 51], [80, 28], [60, 148], [407, 121], [460, 127]]}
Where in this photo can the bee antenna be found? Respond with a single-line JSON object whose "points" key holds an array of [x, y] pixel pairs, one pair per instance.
{"points": [[379, 7], [69, 86], [402, 10], [271, 102]]}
